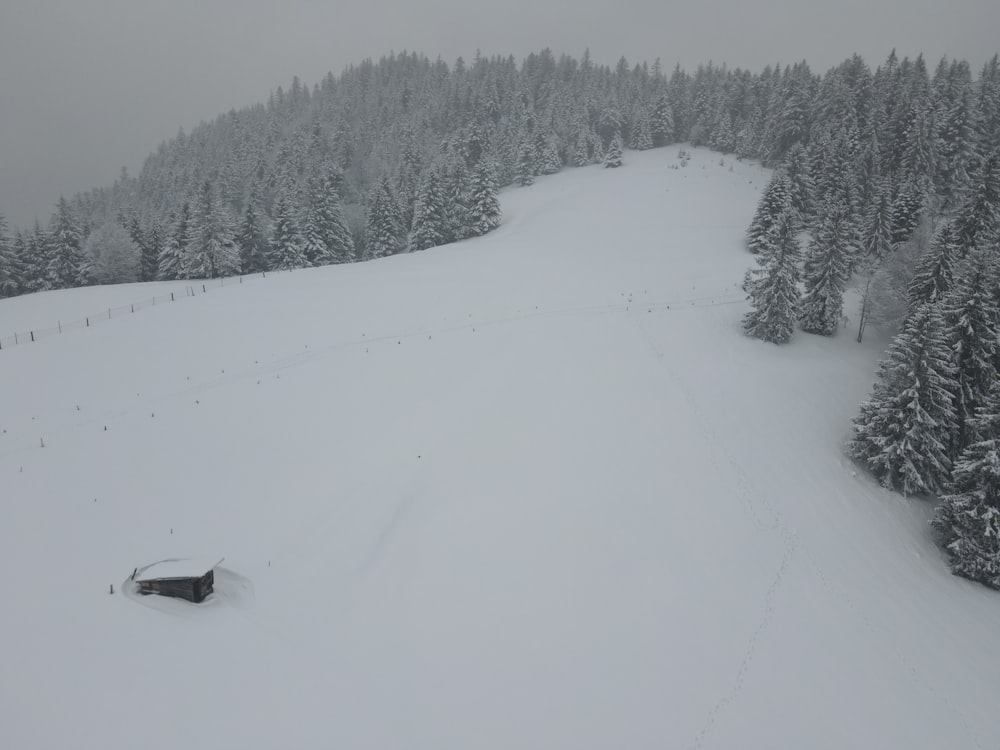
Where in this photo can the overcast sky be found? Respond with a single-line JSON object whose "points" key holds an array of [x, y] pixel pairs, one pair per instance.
{"points": [[89, 86]]}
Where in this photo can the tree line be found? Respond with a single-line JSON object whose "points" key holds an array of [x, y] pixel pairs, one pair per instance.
{"points": [[900, 196]]}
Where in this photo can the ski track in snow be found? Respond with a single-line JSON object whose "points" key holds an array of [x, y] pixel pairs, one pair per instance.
{"points": [[765, 516], [757, 501]]}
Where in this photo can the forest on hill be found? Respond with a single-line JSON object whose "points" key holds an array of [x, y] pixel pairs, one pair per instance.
{"points": [[891, 178]]}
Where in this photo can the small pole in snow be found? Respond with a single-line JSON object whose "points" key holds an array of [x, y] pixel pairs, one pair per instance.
{"points": [[112, 589], [171, 298], [59, 323]]}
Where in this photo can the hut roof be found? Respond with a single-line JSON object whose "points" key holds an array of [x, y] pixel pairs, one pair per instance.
{"points": [[186, 568]]}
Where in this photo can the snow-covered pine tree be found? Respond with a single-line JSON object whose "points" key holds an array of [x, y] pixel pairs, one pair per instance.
{"points": [[581, 153], [211, 250], [149, 257], [642, 137], [906, 209], [287, 248], [956, 152], [382, 230], [527, 167], [775, 203], [613, 156], [116, 257], [968, 518], [170, 264], [827, 268], [662, 125], [935, 268], [37, 260], [903, 431], [252, 241], [484, 206], [876, 231], [330, 222], [548, 156], [430, 217], [973, 319], [66, 265], [978, 220], [772, 289], [457, 188], [9, 264], [800, 184]]}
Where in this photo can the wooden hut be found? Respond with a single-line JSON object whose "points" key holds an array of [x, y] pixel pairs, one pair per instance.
{"points": [[188, 579]]}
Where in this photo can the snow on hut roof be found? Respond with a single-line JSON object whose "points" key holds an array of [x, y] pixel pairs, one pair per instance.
{"points": [[185, 568]]}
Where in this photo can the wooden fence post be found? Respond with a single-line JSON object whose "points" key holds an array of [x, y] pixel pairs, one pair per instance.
{"points": [[171, 297], [32, 335]]}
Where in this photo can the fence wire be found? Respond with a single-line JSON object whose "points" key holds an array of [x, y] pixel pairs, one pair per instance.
{"points": [[192, 289]]}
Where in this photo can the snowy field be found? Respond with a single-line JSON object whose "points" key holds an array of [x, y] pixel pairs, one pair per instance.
{"points": [[534, 490]]}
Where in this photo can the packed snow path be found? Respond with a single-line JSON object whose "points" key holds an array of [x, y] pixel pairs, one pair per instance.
{"points": [[534, 490]]}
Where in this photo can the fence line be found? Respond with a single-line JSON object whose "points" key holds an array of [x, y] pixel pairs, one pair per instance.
{"points": [[192, 289]]}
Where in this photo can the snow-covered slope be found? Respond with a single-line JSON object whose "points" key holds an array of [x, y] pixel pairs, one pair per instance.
{"points": [[534, 490]]}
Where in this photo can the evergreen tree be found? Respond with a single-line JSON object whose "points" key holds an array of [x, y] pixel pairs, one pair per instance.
{"points": [[38, 261], [287, 248], [150, 253], [9, 264], [956, 153], [430, 217], [581, 155], [526, 164], [906, 209], [613, 156], [773, 287], [484, 206], [973, 320], [457, 190], [876, 232], [968, 518], [170, 264], [66, 264], [978, 220], [773, 205], [382, 230], [662, 125], [826, 272], [935, 267], [642, 138], [325, 234], [116, 258], [252, 242], [800, 183], [211, 249], [904, 430]]}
